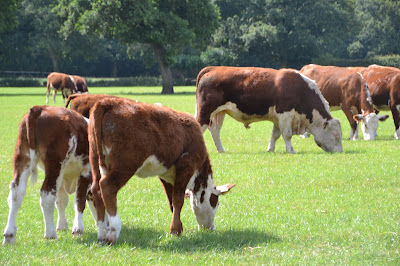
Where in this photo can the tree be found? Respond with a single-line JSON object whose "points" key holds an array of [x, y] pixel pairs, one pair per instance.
{"points": [[8, 9], [167, 26], [284, 33]]}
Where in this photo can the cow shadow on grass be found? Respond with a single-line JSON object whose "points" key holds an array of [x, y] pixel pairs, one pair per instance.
{"points": [[189, 241]]}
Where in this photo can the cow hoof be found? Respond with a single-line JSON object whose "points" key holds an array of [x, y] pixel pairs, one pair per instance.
{"points": [[77, 232], [9, 238]]}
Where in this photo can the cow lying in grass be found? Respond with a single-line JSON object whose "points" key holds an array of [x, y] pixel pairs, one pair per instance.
{"points": [[55, 139], [128, 138]]}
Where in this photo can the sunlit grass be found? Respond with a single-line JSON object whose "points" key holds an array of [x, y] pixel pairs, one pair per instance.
{"points": [[310, 207]]}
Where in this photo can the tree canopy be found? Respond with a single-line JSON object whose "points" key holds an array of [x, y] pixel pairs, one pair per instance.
{"points": [[176, 38]]}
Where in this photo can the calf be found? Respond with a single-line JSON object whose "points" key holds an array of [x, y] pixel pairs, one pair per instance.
{"points": [[67, 84], [128, 138], [384, 84], [287, 98], [55, 139], [346, 88]]}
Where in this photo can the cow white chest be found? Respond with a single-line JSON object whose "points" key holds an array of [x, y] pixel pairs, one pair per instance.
{"points": [[153, 167]]}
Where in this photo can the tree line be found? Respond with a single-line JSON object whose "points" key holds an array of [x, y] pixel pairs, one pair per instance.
{"points": [[176, 38]]}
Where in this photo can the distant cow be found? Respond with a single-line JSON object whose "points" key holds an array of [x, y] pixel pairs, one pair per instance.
{"points": [[345, 88], [83, 103], [285, 97], [384, 84], [66, 84], [127, 139], [55, 139], [81, 84]]}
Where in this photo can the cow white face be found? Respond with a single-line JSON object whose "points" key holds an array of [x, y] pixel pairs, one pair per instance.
{"points": [[369, 124], [204, 203], [330, 137]]}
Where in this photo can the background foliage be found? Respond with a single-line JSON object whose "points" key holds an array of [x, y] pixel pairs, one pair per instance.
{"points": [[113, 38]]}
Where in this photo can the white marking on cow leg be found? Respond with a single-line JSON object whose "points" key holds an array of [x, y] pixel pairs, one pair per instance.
{"points": [[15, 198], [215, 128], [286, 131], [306, 135], [47, 202], [354, 134], [61, 204], [276, 133], [33, 165], [78, 228], [114, 228], [102, 231], [397, 134]]}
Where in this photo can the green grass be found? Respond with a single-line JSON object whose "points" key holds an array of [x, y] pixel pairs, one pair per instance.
{"points": [[306, 208]]}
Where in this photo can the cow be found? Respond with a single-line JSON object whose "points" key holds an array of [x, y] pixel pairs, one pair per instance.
{"points": [[83, 103], [81, 84], [54, 139], [248, 94], [66, 84], [128, 138], [384, 84], [346, 88]]}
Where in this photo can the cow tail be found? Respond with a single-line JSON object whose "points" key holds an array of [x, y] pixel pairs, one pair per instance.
{"points": [[366, 94], [70, 98], [96, 136], [34, 113]]}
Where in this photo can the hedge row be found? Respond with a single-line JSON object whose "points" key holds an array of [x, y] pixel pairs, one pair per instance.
{"points": [[92, 82]]}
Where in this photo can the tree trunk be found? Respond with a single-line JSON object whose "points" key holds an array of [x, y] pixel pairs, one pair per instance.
{"points": [[166, 74], [54, 61]]}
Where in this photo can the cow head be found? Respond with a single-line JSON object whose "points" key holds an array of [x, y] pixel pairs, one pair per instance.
{"points": [[328, 136], [369, 124], [204, 202]]}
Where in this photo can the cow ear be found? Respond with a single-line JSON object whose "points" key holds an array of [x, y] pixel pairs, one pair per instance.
{"points": [[358, 117], [223, 189], [383, 117]]}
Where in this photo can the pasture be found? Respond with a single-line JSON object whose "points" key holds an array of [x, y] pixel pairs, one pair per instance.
{"points": [[310, 207]]}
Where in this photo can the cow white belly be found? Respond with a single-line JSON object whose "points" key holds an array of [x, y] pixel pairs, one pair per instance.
{"points": [[153, 167]]}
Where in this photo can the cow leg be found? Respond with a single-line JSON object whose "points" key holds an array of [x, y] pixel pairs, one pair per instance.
{"points": [[396, 119], [353, 124], [287, 137], [15, 198], [183, 174], [79, 203], [54, 95], [215, 128], [61, 204], [276, 133], [47, 202], [168, 188], [48, 92]]}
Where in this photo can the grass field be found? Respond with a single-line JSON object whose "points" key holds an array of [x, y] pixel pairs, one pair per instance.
{"points": [[310, 207]]}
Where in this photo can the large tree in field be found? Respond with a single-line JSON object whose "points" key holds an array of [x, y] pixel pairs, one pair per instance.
{"points": [[8, 10], [168, 26]]}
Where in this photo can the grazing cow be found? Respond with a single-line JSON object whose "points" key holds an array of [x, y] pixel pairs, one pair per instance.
{"points": [[128, 138], [345, 88], [55, 139], [83, 103], [384, 84], [81, 84], [67, 84], [285, 97]]}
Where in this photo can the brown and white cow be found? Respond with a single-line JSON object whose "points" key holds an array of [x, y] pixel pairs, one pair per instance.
{"points": [[345, 88], [56, 140], [285, 97], [83, 103], [128, 138], [384, 84], [64, 83], [81, 84]]}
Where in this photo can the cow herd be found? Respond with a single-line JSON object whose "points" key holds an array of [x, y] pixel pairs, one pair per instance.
{"points": [[93, 148]]}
